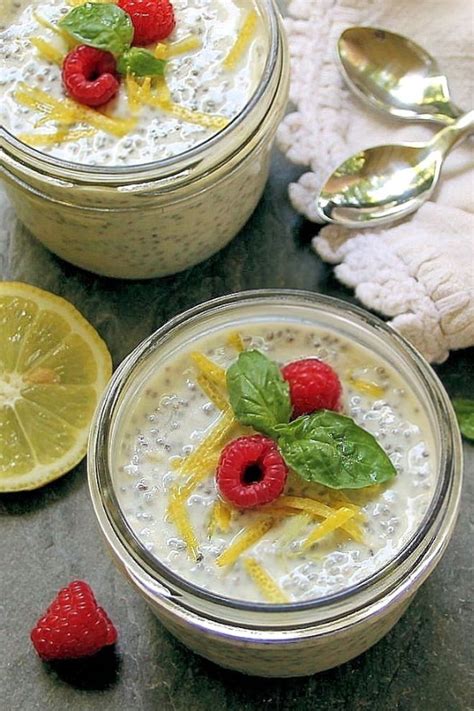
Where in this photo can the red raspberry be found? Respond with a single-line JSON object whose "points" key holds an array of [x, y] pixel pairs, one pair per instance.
{"points": [[89, 75], [153, 20], [251, 471], [73, 625], [313, 386]]}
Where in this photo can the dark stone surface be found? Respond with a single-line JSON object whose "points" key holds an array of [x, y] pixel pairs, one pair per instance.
{"points": [[49, 537]]}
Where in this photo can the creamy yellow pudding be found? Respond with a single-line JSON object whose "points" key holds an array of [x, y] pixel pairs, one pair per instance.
{"points": [[167, 172], [168, 449], [214, 57]]}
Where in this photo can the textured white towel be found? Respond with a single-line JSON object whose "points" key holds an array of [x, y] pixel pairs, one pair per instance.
{"points": [[420, 271]]}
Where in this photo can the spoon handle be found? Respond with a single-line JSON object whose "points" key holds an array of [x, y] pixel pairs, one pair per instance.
{"points": [[448, 137]]}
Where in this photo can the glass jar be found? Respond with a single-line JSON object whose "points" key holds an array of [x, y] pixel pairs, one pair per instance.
{"points": [[158, 218], [279, 639]]}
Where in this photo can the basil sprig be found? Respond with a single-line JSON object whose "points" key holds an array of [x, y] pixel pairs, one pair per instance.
{"points": [[110, 28], [331, 449], [325, 447], [105, 27], [464, 410], [141, 63], [258, 394]]}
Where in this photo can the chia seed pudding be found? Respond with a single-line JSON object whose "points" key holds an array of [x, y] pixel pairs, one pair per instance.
{"points": [[171, 192], [198, 80], [170, 416]]}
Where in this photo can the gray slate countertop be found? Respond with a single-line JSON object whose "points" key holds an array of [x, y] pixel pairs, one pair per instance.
{"points": [[50, 537]]}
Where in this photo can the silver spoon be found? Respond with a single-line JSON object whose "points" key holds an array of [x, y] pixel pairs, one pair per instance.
{"points": [[386, 183], [395, 75]]}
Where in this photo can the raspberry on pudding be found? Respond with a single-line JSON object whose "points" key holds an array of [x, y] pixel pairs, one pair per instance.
{"points": [[153, 20], [251, 472]]}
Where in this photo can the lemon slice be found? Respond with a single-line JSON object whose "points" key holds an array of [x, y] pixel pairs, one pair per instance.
{"points": [[53, 369]]}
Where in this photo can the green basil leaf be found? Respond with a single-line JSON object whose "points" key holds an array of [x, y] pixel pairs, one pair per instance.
{"points": [[141, 63], [105, 27], [258, 394], [465, 413], [331, 449]]}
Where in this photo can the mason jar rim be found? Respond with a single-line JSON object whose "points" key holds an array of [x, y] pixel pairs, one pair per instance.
{"points": [[161, 169], [388, 577]]}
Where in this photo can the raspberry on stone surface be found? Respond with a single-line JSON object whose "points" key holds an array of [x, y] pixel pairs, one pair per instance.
{"points": [[73, 626]]}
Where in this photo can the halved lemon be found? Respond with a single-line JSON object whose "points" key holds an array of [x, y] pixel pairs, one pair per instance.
{"points": [[53, 369]]}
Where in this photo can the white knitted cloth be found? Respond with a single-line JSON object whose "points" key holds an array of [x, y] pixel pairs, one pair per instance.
{"points": [[420, 271]]}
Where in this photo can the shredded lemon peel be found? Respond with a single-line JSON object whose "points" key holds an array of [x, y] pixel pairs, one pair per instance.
{"points": [[47, 50], [67, 112], [264, 581], [208, 449], [207, 367], [336, 520], [236, 341], [366, 387], [70, 41], [314, 508], [160, 98], [243, 38], [244, 540], [212, 392], [221, 518], [178, 514], [133, 89], [60, 136], [174, 49], [293, 528]]}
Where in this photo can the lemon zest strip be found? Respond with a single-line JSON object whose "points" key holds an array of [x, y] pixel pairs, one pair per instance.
{"points": [[133, 89], [331, 523], [189, 116], [179, 516], [235, 340], [366, 387], [185, 489], [161, 51], [221, 518], [213, 371], [293, 528], [206, 451], [70, 41], [68, 112], [212, 392], [315, 508], [47, 50], [244, 540], [60, 136], [187, 44], [146, 89], [163, 91], [244, 36], [264, 581], [162, 100]]}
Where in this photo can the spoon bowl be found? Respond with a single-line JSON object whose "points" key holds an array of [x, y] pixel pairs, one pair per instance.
{"points": [[386, 183], [395, 75]]}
